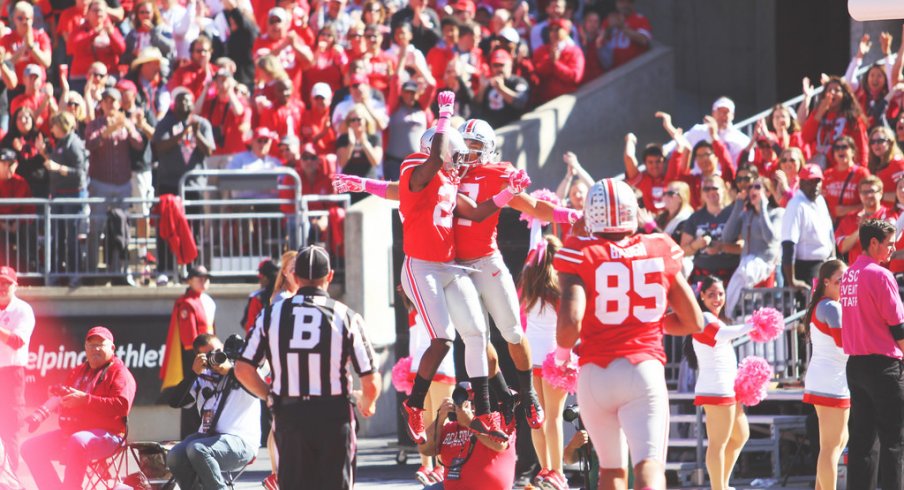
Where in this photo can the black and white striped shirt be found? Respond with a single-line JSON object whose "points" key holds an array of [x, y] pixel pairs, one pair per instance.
{"points": [[309, 342]]}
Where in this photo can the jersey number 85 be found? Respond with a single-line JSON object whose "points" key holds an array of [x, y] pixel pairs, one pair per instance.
{"points": [[614, 280]]}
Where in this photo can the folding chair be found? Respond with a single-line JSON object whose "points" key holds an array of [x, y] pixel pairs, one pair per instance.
{"points": [[107, 473], [232, 479]]}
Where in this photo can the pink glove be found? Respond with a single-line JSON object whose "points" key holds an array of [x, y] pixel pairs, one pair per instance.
{"points": [[519, 180], [446, 101], [348, 183], [566, 215], [562, 356]]}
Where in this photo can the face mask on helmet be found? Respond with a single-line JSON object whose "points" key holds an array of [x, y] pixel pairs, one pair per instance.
{"points": [[481, 140], [610, 207]]}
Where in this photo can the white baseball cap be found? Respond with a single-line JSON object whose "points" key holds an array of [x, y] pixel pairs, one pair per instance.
{"points": [[724, 102], [321, 89]]}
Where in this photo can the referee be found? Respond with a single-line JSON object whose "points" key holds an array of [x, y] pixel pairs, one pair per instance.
{"points": [[309, 340], [872, 333]]}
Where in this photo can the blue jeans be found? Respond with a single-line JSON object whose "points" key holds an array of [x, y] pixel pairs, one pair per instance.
{"points": [[206, 456], [74, 451]]}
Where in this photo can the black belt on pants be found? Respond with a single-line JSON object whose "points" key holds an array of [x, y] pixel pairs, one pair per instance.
{"points": [[288, 401]]}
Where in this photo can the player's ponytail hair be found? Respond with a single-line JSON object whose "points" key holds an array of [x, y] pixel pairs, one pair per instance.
{"points": [[826, 271], [539, 281], [286, 266]]}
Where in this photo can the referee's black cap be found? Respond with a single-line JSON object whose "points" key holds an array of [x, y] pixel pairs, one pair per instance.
{"points": [[312, 263]]}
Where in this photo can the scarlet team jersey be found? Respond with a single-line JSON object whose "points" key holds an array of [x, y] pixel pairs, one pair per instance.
{"points": [[890, 176], [627, 283], [427, 215], [474, 240], [623, 48], [840, 187]]}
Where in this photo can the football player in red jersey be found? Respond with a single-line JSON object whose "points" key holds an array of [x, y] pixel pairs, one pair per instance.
{"points": [[616, 286], [475, 247], [442, 291]]}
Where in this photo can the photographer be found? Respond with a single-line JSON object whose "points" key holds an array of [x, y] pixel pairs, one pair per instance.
{"points": [[95, 402], [230, 432], [471, 460]]}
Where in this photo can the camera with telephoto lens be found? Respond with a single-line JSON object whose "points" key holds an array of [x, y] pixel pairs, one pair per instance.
{"points": [[460, 395], [571, 413], [57, 392], [232, 349]]}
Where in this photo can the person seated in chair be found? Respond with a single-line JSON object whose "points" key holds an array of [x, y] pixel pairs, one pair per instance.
{"points": [[230, 431], [94, 403]]}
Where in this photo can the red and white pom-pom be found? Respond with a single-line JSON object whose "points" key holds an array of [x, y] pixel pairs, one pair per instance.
{"points": [[753, 378], [768, 324], [564, 377], [401, 377], [541, 195]]}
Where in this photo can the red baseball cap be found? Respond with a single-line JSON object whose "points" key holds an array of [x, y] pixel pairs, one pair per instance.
{"points": [[102, 332], [811, 171], [500, 56], [126, 85], [561, 23], [262, 132], [8, 274], [466, 5]]}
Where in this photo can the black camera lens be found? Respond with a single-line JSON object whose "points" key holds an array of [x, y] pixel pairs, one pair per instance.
{"points": [[217, 358], [571, 413]]}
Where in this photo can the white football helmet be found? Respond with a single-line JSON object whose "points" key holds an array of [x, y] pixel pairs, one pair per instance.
{"points": [[454, 151], [610, 207], [480, 131]]}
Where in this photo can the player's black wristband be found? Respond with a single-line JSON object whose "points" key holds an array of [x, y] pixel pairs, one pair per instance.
{"points": [[897, 331]]}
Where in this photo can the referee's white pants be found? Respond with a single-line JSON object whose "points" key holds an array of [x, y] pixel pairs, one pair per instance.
{"points": [[498, 294], [447, 301]]}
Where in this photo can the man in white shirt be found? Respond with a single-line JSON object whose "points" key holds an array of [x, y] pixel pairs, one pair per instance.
{"points": [[17, 322], [723, 112], [808, 238], [230, 431], [255, 159]]}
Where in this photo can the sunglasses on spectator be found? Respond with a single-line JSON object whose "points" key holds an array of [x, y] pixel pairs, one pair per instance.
{"points": [[98, 75], [841, 147], [788, 160], [879, 141], [742, 178], [710, 188], [866, 192], [73, 103], [275, 20], [498, 65], [763, 144], [22, 18], [263, 140], [371, 36], [756, 186], [670, 193], [308, 157], [355, 35], [354, 119]]}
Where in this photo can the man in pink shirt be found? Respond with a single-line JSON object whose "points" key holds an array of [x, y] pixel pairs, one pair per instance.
{"points": [[873, 336]]}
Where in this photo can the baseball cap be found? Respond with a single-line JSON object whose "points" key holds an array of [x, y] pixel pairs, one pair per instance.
{"points": [[268, 268], [198, 271], [7, 155], [358, 78], [811, 171], [724, 102], [500, 56], [510, 34], [410, 85], [126, 85], [321, 89], [560, 23], [290, 140], [312, 262], [262, 132], [111, 93], [279, 13], [102, 332], [466, 5], [7, 273], [33, 70]]}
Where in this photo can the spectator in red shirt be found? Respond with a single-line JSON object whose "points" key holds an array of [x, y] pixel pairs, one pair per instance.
{"points": [[283, 116], [285, 44], [38, 97], [95, 40], [475, 460], [847, 236], [837, 114], [24, 43], [23, 138], [93, 404], [711, 159], [626, 34], [13, 232], [885, 161], [229, 116], [591, 42], [379, 65], [329, 61], [195, 75], [839, 187], [560, 63], [316, 127], [653, 180], [444, 51]]}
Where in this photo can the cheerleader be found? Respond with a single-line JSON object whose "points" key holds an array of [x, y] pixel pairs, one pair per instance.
{"points": [[440, 389], [539, 295], [825, 385], [717, 367]]}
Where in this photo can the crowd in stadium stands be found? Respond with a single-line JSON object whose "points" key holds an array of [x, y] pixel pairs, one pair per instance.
{"points": [[119, 98]]}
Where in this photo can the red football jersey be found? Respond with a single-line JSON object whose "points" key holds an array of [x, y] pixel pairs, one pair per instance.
{"points": [[627, 284], [890, 176], [836, 182], [427, 215], [474, 240], [850, 223]]}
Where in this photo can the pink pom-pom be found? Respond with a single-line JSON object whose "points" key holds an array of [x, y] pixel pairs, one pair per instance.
{"points": [[541, 195], [401, 379], [768, 324], [753, 378], [564, 377]]}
